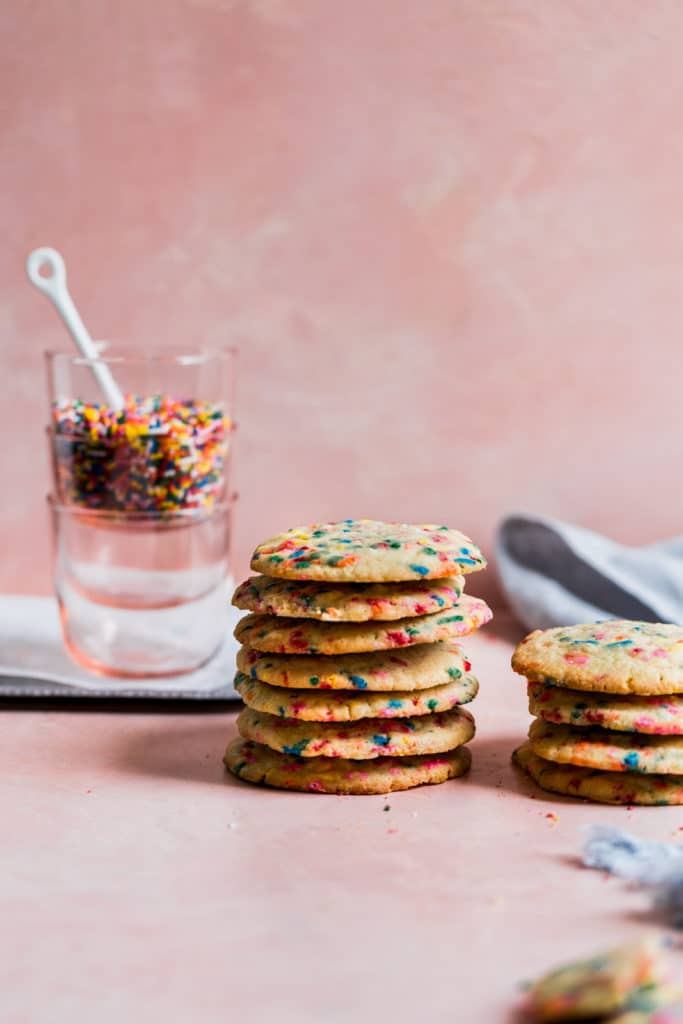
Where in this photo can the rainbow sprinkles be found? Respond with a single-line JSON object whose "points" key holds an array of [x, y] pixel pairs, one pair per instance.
{"points": [[158, 454]]}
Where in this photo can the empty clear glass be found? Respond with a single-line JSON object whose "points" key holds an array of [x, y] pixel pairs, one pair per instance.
{"points": [[142, 596]]}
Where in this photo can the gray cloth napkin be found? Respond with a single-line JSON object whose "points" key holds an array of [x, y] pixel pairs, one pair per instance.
{"points": [[555, 574]]}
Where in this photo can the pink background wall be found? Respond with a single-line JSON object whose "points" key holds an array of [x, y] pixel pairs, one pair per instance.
{"points": [[447, 235]]}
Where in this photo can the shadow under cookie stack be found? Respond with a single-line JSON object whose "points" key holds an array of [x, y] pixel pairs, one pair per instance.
{"points": [[608, 701], [348, 668]]}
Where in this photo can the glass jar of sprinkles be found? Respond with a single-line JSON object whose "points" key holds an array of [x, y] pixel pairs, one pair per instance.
{"points": [[141, 508]]}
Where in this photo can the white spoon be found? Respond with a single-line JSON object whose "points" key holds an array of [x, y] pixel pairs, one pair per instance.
{"points": [[54, 286]]}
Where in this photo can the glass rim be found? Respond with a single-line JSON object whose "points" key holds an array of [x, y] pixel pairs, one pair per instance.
{"points": [[127, 353], [104, 514]]}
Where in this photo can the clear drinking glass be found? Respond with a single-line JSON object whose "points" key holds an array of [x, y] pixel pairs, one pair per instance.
{"points": [[142, 595], [141, 512]]}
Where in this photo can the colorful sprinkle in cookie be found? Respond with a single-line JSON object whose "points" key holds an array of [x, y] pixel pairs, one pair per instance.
{"points": [[255, 763], [599, 786], [367, 738], [415, 668], [652, 1004], [306, 636], [619, 980], [348, 602], [607, 751], [349, 706], [657, 716], [367, 551], [615, 656]]}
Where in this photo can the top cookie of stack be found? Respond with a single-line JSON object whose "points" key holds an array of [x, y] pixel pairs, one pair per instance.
{"points": [[367, 551], [334, 602]]}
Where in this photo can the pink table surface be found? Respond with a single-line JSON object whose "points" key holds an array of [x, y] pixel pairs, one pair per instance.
{"points": [[140, 882]]}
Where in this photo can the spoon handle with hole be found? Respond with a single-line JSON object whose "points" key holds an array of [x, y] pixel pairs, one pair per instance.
{"points": [[54, 286]]}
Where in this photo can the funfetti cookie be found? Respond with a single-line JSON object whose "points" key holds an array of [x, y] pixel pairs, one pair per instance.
{"points": [[307, 636], [367, 551], [414, 668], [347, 602], [614, 656], [256, 763], [607, 751], [367, 738], [610, 982], [600, 786], [658, 716], [349, 706]]}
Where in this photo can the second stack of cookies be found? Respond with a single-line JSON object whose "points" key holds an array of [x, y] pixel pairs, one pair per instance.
{"points": [[349, 670], [608, 701]]}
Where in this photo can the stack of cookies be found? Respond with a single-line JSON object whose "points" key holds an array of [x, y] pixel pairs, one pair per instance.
{"points": [[608, 701], [349, 671]]}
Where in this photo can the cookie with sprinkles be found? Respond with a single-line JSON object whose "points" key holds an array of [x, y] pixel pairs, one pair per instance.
{"points": [[658, 716], [349, 706], [347, 602], [367, 551], [255, 763], [614, 656], [629, 978], [307, 636], [600, 786], [607, 751], [366, 738], [415, 668]]}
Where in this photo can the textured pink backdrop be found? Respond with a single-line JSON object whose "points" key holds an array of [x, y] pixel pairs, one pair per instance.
{"points": [[447, 235]]}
